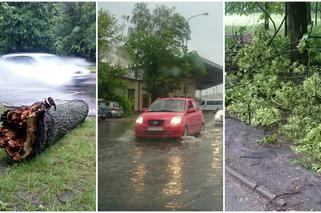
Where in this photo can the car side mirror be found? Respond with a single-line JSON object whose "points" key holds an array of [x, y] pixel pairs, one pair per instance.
{"points": [[144, 109], [191, 110]]}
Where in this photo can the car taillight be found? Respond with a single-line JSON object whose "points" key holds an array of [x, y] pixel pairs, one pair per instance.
{"points": [[113, 109]]}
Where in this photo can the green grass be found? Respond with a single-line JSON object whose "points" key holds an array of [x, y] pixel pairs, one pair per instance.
{"points": [[67, 166], [234, 22]]}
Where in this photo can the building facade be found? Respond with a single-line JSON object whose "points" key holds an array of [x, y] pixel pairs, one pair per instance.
{"points": [[142, 99]]}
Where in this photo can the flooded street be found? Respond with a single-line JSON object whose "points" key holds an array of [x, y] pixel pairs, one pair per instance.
{"points": [[26, 95], [159, 174]]}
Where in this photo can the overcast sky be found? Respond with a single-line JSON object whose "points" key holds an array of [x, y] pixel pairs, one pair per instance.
{"points": [[206, 31]]}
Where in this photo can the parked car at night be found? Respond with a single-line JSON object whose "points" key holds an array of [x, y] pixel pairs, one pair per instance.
{"points": [[170, 118], [49, 69]]}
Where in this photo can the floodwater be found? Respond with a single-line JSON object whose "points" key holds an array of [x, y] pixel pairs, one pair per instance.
{"points": [[19, 94], [159, 174]]}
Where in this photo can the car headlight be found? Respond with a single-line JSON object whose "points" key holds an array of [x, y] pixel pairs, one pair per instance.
{"points": [[139, 120], [176, 120]]}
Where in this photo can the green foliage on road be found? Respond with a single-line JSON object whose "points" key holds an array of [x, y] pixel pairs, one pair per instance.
{"points": [[63, 28], [63, 178], [267, 88]]}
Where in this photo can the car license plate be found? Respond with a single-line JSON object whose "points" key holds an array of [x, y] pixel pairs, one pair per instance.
{"points": [[155, 129]]}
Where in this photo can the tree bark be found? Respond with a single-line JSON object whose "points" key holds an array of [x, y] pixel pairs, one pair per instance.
{"points": [[266, 19], [316, 14], [286, 20], [29, 130], [309, 19], [297, 27]]}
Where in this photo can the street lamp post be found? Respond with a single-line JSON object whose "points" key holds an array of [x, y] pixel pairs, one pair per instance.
{"points": [[201, 14]]}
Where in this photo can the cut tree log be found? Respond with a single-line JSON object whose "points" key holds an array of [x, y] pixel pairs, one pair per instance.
{"points": [[29, 130]]}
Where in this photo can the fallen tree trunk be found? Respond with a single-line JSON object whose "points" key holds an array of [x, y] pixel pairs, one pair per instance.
{"points": [[29, 130]]}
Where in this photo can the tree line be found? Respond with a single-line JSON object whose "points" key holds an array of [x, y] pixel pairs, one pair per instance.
{"points": [[67, 28]]}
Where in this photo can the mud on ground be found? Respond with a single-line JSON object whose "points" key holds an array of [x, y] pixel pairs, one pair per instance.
{"points": [[270, 165]]}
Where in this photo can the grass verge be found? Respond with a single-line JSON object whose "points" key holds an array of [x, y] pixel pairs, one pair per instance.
{"points": [[61, 178]]}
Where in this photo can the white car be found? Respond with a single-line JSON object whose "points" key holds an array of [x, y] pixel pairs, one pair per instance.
{"points": [[42, 68], [218, 117], [212, 104]]}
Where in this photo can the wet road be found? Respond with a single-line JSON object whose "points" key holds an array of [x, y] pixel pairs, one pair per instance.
{"points": [[159, 174], [24, 95]]}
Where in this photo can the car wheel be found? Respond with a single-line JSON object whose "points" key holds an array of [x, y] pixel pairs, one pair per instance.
{"points": [[109, 115]]}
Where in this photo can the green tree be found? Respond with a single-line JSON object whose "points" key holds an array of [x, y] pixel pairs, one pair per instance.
{"points": [[26, 26], [63, 28], [76, 30], [111, 70], [297, 27], [157, 39]]}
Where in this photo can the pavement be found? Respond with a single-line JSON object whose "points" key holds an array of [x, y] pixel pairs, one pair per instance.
{"points": [[159, 174], [17, 94], [240, 198], [270, 166]]}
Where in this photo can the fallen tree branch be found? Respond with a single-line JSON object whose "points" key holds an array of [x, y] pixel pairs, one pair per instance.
{"points": [[28, 130]]}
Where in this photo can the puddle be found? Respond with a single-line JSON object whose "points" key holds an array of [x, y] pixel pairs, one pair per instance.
{"points": [[129, 135]]}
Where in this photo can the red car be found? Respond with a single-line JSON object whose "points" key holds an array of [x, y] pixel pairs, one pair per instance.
{"points": [[170, 118]]}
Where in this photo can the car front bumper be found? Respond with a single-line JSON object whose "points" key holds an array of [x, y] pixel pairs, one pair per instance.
{"points": [[169, 131]]}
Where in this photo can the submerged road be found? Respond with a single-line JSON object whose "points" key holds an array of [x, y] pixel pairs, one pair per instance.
{"points": [[17, 95], [159, 174]]}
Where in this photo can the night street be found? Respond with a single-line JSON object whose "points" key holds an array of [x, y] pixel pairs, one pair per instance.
{"points": [[159, 174]]}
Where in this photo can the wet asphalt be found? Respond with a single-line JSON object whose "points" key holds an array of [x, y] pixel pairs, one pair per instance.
{"points": [[159, 174], [17, 95]]}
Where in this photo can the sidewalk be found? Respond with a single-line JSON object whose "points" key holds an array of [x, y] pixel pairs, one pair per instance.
{"points": [[270, 166]]}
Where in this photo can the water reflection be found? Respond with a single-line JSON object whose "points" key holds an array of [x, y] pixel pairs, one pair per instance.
{"points": [[174, 184], [172, 175], [216, 160], [137, 176]]}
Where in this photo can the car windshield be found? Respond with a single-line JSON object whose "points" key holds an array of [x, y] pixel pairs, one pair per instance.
{"points": [[20, 59], [116, 104], [102, 104], [167, 105]]}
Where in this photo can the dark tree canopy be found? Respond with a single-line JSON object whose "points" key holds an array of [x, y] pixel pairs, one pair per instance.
{"points": [[61, 28]]}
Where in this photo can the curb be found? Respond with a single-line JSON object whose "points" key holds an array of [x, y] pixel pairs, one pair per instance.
{"points": [[260, 189]]}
